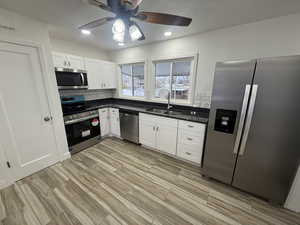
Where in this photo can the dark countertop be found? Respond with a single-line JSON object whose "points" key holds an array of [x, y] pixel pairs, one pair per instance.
{"points": [[199, 117]]}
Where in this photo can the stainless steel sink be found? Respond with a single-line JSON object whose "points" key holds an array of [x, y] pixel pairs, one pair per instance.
{"points": [[165, 111], [171, 112], [155, 110]]}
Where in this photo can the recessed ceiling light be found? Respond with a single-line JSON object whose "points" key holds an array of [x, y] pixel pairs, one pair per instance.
{"points": [[86, 32], [168, 33], [121, 44]]}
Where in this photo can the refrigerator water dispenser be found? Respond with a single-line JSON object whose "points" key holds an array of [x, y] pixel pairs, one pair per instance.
{"points": [[225, 120]]}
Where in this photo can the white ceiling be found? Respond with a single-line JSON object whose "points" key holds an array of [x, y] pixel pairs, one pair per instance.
{"points": [[66, 15]]}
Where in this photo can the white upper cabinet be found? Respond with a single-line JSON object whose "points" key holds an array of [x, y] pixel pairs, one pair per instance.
{"points": [[68, 61], [76, 62], [109, 73], [101, 74], [59, 59]]}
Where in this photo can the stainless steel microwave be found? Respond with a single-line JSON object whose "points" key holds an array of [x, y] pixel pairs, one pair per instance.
{"points": [[71, 79]]}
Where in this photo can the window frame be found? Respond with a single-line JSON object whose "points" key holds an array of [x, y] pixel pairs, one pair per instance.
{"points": [[194, 63], [120, 80]]}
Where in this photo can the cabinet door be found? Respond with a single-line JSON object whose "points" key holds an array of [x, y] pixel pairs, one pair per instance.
{"points": [[166, 139], [59, 60], [95, 80], [115, 122], [76, 62], [147, 133], [108, 70], [104, 121]]}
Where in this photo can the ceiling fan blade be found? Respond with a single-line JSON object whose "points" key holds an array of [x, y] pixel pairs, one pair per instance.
{"points": [[163, 18], [134, 3], [100, 4], [96, 23]]}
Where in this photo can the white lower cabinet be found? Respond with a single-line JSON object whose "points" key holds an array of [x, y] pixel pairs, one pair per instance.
{"points": [[166, 138], [176, 137], [147, 133], [104, 121], [158, 132], [114, 122], [190, 141], [109, 122]]}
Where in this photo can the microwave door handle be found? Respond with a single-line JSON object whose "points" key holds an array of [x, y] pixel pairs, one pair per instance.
{"points": [[82, 78]]}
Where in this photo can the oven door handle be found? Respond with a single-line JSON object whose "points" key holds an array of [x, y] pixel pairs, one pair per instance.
{"points": [[80, 119]]}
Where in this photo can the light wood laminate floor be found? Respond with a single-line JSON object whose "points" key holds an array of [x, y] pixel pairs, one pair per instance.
{"points": [[117, 183]]}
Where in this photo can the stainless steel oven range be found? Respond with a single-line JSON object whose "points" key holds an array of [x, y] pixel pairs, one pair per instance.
{"points": [[83, 130]]}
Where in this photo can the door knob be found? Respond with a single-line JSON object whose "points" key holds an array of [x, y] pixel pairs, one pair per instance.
{"points": [[47, 118]]}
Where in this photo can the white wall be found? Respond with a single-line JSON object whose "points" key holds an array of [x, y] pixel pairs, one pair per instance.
{"points": [[274, 37], [33, 31], [75, 48]]}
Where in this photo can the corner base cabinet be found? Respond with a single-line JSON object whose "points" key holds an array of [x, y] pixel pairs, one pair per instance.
{"points": [[178, 138], [109, 122]]}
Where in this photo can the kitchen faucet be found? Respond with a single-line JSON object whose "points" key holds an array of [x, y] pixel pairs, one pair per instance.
{"points": [[169, 97]]}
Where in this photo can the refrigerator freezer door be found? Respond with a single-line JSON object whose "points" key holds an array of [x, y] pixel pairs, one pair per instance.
{"points": [[270, 158], [230, 97]]}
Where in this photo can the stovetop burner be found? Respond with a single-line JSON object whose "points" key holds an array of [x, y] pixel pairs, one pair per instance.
{"points": [[73, 104]]}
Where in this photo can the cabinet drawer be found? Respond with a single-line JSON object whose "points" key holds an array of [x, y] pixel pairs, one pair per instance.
{"points": [[189, 138], [192, 126], [185, 152]]}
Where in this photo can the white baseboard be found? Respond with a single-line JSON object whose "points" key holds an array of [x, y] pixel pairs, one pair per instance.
{"points": [[173, 156], [65, 156]]}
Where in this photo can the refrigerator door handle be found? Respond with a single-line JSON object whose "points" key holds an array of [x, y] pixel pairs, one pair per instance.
{"points": [[242, 119], [249, 119]]}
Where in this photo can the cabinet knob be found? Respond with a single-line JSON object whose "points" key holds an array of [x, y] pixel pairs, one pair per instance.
{"points": [[190, 139], [190, 126], [188, 153]]}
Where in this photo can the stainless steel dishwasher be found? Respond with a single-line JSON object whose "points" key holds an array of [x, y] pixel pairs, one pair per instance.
{"points": [[129, 124]]}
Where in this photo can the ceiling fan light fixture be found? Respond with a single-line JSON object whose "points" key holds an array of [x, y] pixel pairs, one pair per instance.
{"points": [[85, 32], [135, 32], [119, 37], [168, 33], [118, 26]]}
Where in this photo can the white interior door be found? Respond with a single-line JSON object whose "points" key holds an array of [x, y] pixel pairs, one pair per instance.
{"points": [[26, 130]]}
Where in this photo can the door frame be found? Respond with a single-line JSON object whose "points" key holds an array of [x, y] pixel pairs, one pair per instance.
{"points": [[53, 100]]}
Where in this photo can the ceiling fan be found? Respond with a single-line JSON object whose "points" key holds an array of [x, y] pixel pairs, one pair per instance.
{"points": [[126, 11]]}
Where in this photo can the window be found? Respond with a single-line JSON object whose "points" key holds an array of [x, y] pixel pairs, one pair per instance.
{"points": [[133, 82], [174, 77]]}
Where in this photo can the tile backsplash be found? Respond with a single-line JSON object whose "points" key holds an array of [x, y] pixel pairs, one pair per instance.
{"points": [[89, 94], [203, 100]]}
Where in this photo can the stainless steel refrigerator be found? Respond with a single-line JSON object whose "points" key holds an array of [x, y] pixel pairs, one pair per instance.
{"points": [[253, 136]]}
